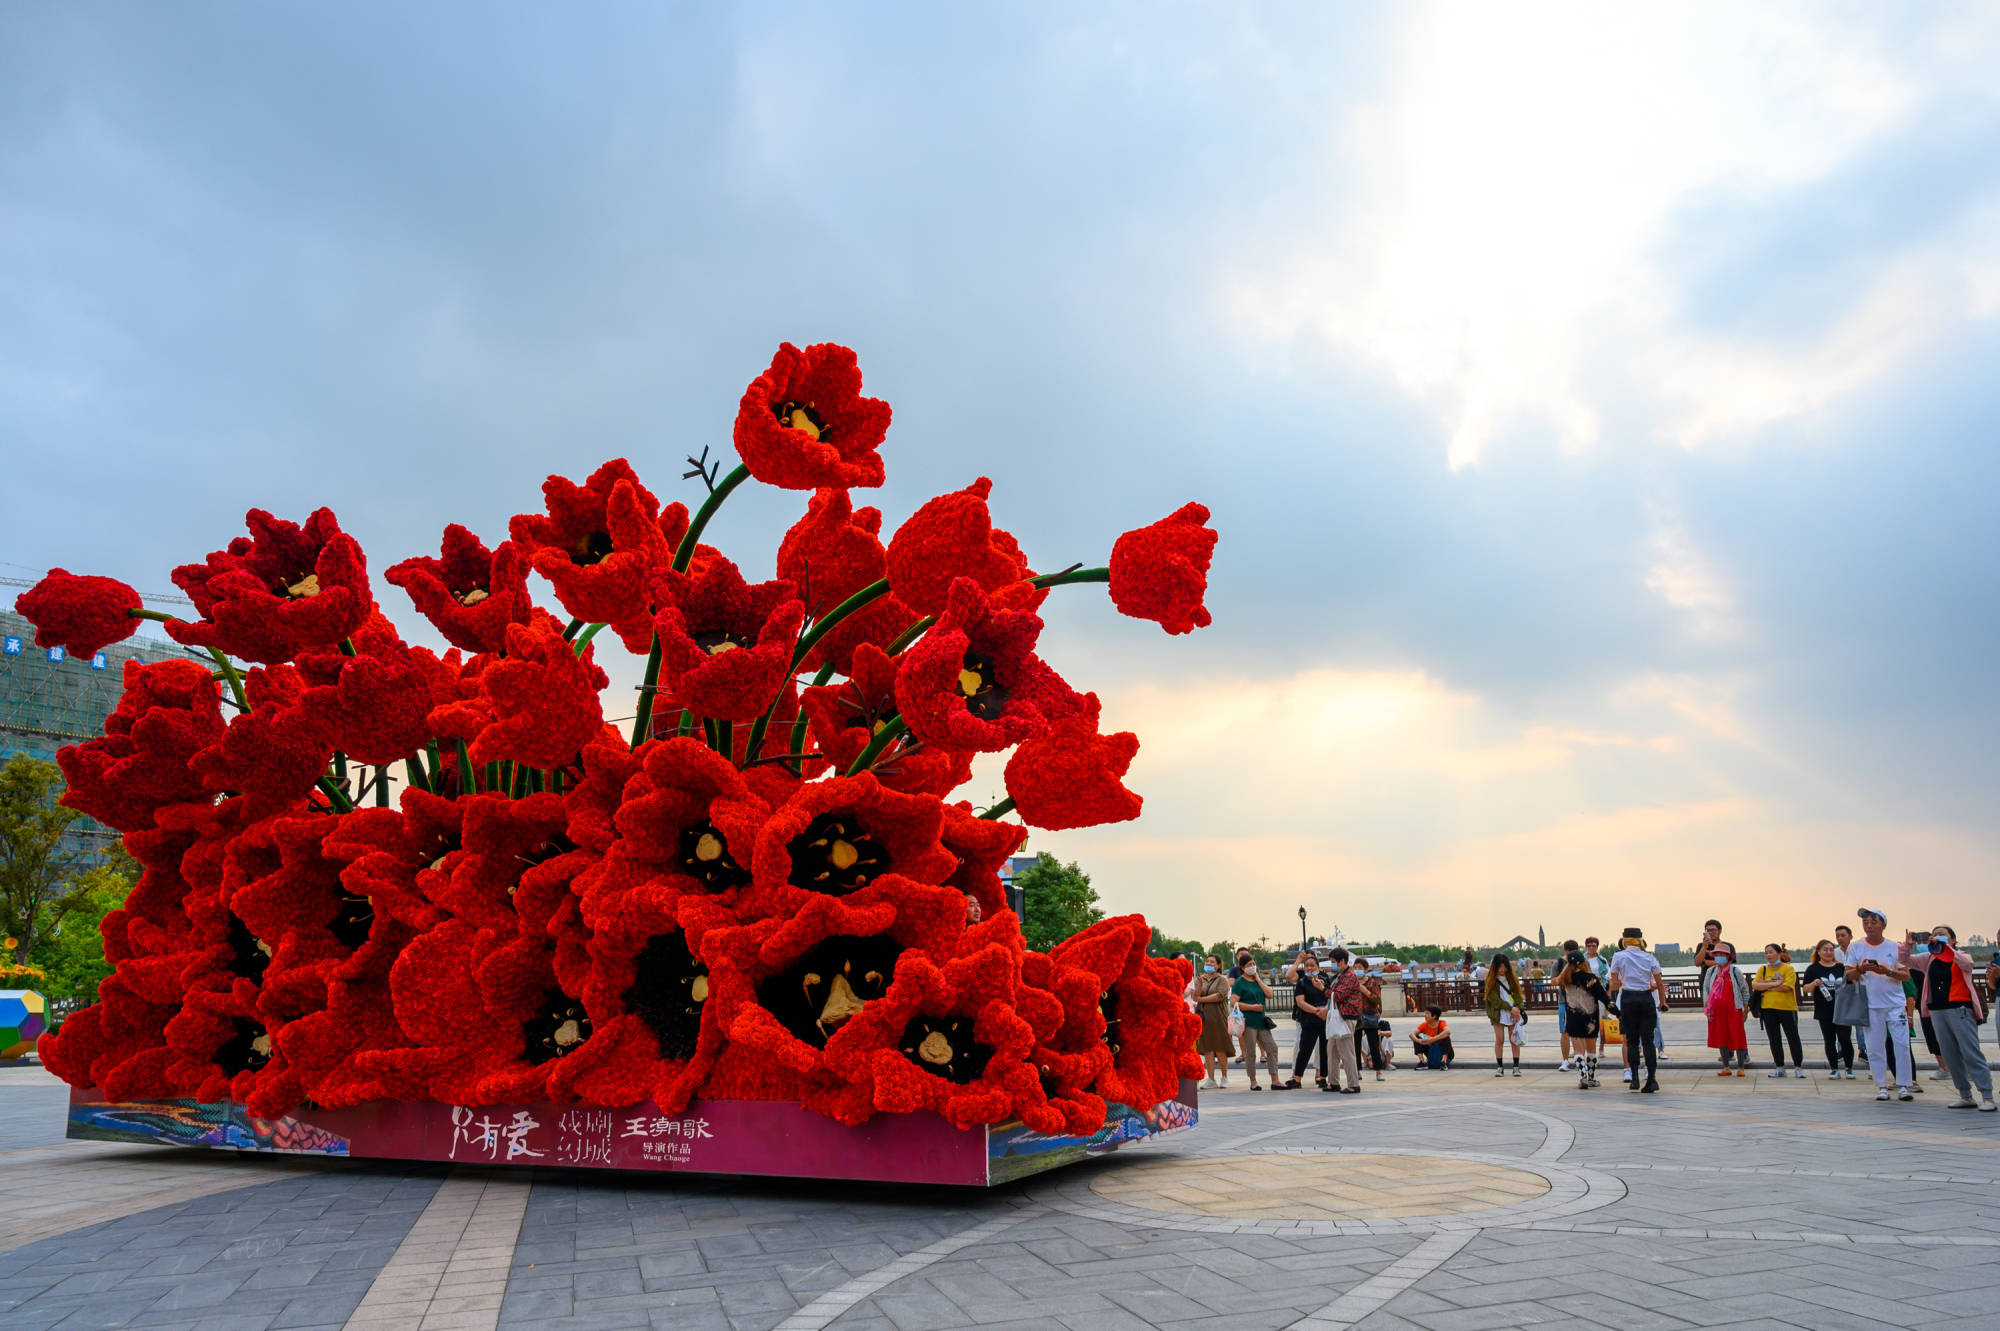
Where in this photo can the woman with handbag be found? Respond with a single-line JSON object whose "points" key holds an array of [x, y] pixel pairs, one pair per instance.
{"points": [[1505, 1000], [1311, 996], [1777, 985], [1343, 1018], [1823, 980], [1210, 993]]}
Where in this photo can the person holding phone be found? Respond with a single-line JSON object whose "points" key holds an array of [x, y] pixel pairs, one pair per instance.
{"points": [[1251, 994], [1210, 993], [1311, 996], [1955, 1007], [1873, 964]]}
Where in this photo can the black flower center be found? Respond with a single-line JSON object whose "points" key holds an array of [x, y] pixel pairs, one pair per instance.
{"points": [[1114, 1035], [352, 920], [834, 855], [944, 1047], [246, 1051], [590, 548], [704, 857], [717, 641], [829, 985], [249, 954], [802, 416], [984, 696], [668, 993], [557, 1029]]}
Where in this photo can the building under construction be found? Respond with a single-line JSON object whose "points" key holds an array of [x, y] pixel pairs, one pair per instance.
{"points": [[49, 699]]}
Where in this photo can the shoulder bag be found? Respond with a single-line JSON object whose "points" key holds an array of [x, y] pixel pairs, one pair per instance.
{"points": [[1850, 1004]]}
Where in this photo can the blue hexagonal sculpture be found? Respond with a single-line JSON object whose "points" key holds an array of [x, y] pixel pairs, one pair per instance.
{"points": [[23, 1018]]}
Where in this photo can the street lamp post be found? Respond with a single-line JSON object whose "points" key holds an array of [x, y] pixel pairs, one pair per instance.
{"points": [[1302, 928]]}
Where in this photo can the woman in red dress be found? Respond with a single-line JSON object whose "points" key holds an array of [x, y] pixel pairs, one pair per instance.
{"points": [[1725, 997]]}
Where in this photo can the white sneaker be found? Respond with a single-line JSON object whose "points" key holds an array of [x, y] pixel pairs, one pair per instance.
{"points": [[1963, 1102], [1939, 1075], [1628, 1074], [1883, 1094], [1499, 1072], [1778, 1073], [1800, 1073], [1987, 1106], [1564, 1066], [1905, 1093]]}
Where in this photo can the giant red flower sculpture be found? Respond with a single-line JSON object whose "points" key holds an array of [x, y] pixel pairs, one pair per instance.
{"points": [[371, 872]]}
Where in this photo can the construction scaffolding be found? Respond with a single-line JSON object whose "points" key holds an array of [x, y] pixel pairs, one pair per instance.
{"points": [[49, 699]]}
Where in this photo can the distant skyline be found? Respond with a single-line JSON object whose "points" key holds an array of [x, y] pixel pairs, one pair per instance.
{"points": [[1596, 405]]}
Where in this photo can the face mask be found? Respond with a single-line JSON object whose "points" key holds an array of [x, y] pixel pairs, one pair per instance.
{"points": [[1208, 970]]}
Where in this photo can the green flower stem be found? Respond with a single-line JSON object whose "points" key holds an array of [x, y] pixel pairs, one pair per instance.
{"points": [[1000, 810], [825, 623], [699, 523], [468, 780], [413, 772], [340, 768], [347, 647], [382, 787], [685, 730], [570, 632], [584, 641], [1073, 575], [228, 669], [891, 730], [799, 722], [910, 635], [436, 782], [642, 723], [334, 793]]}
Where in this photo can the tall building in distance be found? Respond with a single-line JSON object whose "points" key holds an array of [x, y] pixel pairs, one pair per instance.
{"points": [[49, 699]]}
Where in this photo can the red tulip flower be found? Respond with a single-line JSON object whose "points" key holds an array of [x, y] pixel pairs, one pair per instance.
{"points": [[279, 591], [82, 614], [469, 594], [803, 423], [1161, 572]]}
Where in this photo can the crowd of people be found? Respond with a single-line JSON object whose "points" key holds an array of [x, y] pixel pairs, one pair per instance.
{"points": [[1865, 998]]}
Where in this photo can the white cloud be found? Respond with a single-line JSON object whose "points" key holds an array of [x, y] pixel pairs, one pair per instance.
{"points": [[1491, 231], [1685, 578]]}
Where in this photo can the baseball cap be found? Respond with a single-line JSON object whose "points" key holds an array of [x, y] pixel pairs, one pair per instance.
{"points": [[1866, 911]]}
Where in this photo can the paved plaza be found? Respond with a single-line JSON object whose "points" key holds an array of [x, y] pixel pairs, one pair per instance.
{"points": [[1432, 1200]]}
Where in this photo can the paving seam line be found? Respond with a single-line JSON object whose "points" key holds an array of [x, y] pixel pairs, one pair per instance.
{"points": [[452, 1265], [1401, 1274], [830, 1305]]}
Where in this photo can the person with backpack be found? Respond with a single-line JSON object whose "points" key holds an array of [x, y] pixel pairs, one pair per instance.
{"points": [[1343, 1023], [1776, 985]]}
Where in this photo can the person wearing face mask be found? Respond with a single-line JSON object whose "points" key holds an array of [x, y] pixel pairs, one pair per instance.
{"points": [[1312, 994], [1947, 995], [1210, 994], [1252, 996]]}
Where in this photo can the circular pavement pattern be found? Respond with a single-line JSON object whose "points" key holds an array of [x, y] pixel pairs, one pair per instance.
{"points": [[1283, 1186]]}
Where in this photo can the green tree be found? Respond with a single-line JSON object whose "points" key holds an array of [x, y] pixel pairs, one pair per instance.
{"points": [[1163, 946], [1059, 901], [72, 955], [39, 875]]}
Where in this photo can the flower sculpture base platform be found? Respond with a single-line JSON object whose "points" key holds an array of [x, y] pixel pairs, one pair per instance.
{"points": [[761, 1137]]}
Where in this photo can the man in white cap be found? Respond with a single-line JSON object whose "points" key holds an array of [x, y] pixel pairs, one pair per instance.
{"points": [[1872, 963]]}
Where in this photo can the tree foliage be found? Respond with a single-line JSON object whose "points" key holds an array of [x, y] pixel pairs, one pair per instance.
{"points": [[72, 955], [39, 876], [1059, 901]]}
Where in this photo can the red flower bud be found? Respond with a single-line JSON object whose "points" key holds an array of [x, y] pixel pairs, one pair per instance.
{"points": [[1161, 572], [80, 613]]}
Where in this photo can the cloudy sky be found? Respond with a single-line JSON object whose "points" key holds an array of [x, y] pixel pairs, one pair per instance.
{"points": [[1598, 405]]}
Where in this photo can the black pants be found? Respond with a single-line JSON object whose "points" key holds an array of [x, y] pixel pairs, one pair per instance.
{"points": [[1839, 1042], [1312, 1033], [1373, 1038], [1637, 1020], [1783, 1024]]}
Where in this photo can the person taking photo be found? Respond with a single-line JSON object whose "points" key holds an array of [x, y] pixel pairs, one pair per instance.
{"points": [[1873, 964]]}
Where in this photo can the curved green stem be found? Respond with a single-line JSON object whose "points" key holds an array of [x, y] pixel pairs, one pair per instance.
{"points": [[413, 772], [228, 669], [570, 632], [1069, 576], [1000, 810], [699, 523], [892, 729], [910, 635], [160, 615], [642, 723], [826, 622], [336, 795], [584, 641], [799, 722]]}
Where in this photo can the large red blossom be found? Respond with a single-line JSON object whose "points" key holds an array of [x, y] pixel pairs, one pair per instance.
{"points": [[974, 681], [273, 754], [803, 423], [539, 706], [281, 590], [1160, 572], [830, 554], [170, 711], [469, 593], [953, 537], [725, 646], [81, 613], [844, 717], [600, 545], [1072, 776], [379, 709]]}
